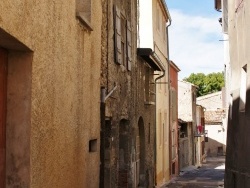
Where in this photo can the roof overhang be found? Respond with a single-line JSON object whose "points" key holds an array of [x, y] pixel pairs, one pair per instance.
{"points": [[165, 8], [172, 64], [151, 58]]}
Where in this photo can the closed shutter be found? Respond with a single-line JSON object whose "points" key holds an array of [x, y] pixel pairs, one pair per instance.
{"points": [[225, 16], [174, 103], [117, 26], [129, 46]]}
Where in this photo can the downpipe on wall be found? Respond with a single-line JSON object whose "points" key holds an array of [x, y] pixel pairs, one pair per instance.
{"points": [[155, 140], [169, 92], [104, 97]]}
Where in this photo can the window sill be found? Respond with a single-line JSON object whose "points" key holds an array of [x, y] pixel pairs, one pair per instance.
{"points": [[149, 103], [84, 20]]}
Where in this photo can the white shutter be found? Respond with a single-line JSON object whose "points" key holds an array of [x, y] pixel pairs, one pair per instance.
{"points": [[117, 27], [129, 46]]}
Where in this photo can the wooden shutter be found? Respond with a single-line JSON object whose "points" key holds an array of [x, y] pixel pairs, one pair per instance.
{"points": [[174, 104], [117, 26], [129, 46]]}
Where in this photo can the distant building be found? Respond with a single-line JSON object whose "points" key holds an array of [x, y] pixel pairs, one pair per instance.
{"points": [[174, 134], [215, 122], [187, 123], [199, 139]]}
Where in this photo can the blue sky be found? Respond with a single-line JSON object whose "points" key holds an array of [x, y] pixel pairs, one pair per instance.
{"points": [[194, 36], [194, 7]]}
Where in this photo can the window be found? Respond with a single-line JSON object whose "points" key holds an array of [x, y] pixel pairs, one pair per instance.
{"points": [[231, 107], [165, 129], [147, 84], [158, 17], [160, 87], [149, 87], [183, 130], [243, 88], [166, 84], [83, 12], [149, 132], [174, 105], [164, 28], [123, 39], [160, 129], [93, 145], [173, 144]]}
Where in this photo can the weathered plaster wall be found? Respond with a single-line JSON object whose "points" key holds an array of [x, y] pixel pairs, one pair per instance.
{"points": [[174, 117], [160, 20], [237, 172], [211, 101], [64, 91], [187, 111], [216, 138], [162, 129], [185, 101]]}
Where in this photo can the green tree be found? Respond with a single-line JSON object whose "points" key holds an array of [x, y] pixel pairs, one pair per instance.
{"points": [[210, 83]]}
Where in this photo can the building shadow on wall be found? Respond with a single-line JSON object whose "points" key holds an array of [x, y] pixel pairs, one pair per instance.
{"points": [[214, 148]]}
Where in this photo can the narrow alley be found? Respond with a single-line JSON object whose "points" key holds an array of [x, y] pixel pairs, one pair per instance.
{"points": [[210, 175]]}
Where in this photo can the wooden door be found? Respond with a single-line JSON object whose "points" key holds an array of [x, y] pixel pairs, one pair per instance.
{"points": [[3, 88]]}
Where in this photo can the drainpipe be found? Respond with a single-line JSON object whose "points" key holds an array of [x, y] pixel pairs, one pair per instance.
{"points": [[102, 137], [169, 91], [103, 112], [104, 97]]}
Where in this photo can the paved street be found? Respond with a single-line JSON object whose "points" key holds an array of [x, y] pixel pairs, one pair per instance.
{"points": [[210, 175]]}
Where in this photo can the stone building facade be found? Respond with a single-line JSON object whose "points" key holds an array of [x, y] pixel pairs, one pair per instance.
{"points": [[127, 80], [50, 58]]}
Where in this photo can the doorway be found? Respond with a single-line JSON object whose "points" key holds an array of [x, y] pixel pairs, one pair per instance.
{"points": [[123, 153], [3, 96], [140, 153]]}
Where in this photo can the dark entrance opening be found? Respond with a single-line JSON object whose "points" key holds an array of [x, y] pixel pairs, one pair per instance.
{"points": [[3, 104], [140, 149], [123, 153]]}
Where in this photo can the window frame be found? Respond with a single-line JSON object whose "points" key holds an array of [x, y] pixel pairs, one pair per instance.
{"points": [[84, 13]]}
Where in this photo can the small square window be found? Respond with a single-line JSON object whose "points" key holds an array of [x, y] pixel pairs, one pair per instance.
{"points": [[93, 145], [243, 88], [83, 13]]}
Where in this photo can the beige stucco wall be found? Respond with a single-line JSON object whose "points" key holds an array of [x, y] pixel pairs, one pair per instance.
{"points": [[159, 33], [216, 138], [162, 96], [185, 101], [64, 91], [237, 167]]}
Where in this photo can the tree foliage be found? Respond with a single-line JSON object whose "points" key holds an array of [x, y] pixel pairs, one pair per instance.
{"points": [[210, 83]]}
